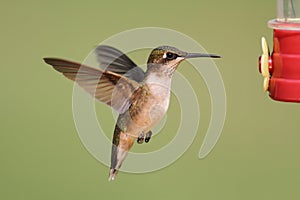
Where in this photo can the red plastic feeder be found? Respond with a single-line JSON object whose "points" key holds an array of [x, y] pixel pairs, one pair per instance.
{"points": [[284, 63]]}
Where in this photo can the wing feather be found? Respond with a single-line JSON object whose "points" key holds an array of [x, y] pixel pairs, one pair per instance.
{"points": [[108, 87], [112, 59]]}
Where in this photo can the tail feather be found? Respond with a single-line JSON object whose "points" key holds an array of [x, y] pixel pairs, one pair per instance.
{"points": [[112, 174], [122, 143]]}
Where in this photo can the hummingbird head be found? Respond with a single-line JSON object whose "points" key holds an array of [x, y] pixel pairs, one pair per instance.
{"points": [[167, 58]]}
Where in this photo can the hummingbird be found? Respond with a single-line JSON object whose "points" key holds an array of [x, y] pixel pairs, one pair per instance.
{"points": [[141, 98]]}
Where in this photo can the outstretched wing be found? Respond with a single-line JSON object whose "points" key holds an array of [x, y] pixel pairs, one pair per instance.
{"points": [[108, 87], [111, 59]]}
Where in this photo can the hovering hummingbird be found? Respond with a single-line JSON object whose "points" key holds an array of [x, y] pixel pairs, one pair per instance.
{"points": [[141, 98]]}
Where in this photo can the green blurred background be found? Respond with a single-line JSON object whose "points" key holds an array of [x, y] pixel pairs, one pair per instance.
{"points": [[257, 156]]}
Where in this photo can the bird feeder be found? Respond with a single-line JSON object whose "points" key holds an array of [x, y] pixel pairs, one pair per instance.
{"points": [[281, 69]]}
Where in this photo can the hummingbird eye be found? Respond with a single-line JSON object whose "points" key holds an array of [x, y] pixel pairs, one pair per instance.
{"points": [[171, 56]]}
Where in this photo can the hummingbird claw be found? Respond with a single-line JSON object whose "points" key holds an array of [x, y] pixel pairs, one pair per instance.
{"points": [[148, 136], [140, 139]]}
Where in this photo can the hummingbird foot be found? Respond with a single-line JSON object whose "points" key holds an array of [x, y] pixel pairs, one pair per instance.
{"points": [[148, 136], [140, 139]]}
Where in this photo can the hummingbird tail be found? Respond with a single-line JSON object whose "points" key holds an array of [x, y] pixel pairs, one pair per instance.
{"points": [[122, 143], [112, 174]]}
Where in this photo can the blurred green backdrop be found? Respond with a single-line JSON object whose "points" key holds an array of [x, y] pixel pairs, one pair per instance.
{"points": [[257, 156]]}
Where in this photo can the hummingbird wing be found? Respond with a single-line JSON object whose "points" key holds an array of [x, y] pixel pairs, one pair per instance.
{"points": [[112, 59], [108, 87]]}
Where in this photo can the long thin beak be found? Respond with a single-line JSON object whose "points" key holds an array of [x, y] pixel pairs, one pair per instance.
{"points": [[197, 55]]}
